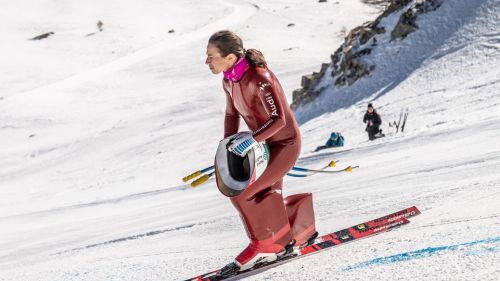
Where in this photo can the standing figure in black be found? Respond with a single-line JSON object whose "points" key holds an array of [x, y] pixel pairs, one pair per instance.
{"points": [[373, 121]]}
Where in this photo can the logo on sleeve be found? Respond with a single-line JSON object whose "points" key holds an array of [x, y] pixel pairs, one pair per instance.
{"points": [[263, 86], [272, 105]]}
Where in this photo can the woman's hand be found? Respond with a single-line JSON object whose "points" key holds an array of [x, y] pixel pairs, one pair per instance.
{"points": [[241, 143]]}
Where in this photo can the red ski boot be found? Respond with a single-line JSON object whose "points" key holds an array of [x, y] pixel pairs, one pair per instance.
{"points": [[255, 255]]}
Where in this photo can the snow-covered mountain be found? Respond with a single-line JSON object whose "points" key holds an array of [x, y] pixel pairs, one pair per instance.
{"points": [[97, 132]]}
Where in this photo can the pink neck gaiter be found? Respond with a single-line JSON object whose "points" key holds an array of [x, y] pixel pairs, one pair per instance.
{"points": [[235, 72]]}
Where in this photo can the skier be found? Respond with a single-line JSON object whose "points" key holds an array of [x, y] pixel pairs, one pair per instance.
{"points": [[335, 140], [373, 121], [253, 92]]}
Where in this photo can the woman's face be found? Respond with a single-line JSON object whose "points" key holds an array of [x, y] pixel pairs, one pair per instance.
{"points": [[216, 62]]}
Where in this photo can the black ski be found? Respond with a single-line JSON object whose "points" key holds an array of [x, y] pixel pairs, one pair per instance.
{"points": [[399, 121], [404, 120]]}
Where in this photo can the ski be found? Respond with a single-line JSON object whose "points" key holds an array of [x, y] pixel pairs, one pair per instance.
{"points": [[330, 240], [399, 122], [404, 120]]}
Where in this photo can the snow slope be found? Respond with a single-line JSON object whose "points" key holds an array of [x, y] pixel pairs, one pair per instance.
{"points": [[94, 143]]}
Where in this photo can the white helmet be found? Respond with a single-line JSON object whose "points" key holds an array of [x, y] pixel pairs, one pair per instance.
{"points": [[234, 173]]}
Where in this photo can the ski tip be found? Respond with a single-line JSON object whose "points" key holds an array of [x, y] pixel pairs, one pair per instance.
{"points": [[415, 210]]}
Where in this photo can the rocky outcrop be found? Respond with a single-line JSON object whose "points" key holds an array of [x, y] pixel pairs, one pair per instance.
{"points": [[349, 64], [309, 82], [408, 21]]}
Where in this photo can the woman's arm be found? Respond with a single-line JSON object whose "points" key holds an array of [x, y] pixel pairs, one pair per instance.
{"points": [[269, 94], [231, 118]]}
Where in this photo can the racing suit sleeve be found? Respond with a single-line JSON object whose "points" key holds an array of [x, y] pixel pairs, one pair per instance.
{"points": [[270, 95], [231, 118]]}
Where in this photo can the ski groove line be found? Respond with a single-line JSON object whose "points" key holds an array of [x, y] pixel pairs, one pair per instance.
{"points": [[138, 236], [421, 253]]}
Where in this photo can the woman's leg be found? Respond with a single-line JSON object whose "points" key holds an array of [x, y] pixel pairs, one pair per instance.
{"points": [[261, 206]]}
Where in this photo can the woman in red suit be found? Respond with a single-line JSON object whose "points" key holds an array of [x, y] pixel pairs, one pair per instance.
{"points": [[254, 94]]}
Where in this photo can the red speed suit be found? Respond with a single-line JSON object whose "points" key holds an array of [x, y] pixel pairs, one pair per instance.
{"points": [[270, 222]]}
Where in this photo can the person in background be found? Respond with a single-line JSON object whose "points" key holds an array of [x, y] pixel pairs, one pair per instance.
{"points": [[335, 140], [373, 121]]}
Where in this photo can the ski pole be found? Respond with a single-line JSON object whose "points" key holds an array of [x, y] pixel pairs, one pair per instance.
{"points": [[205, 177], [197, 173], [298, 176], [331, 164], [347, 169], [202, 179], [207, 169]]}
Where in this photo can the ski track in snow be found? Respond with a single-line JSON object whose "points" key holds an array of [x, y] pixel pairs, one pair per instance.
{"points": [[423, 253], [96, 203]]}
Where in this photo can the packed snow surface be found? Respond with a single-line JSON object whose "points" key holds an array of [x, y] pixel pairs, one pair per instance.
{"points": [[97, 130]]}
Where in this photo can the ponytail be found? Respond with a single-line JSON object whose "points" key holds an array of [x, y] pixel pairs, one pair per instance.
{"points": [[255, 58]]}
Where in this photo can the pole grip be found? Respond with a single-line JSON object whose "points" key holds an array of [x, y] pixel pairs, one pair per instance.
{"points": [[192, 176], [199, 180]]}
